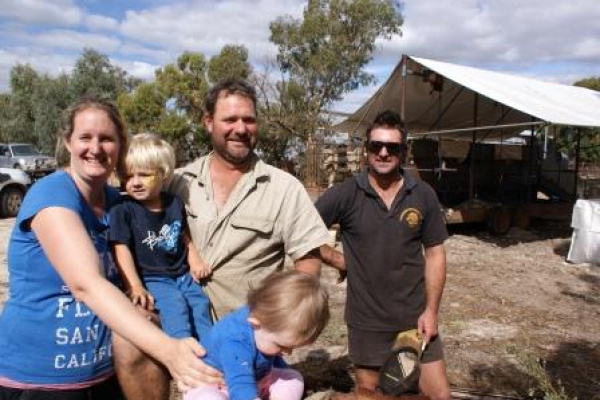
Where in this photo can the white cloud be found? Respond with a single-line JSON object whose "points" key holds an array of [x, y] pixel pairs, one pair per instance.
{"points": [[138, 69], [207, 26], [44, 12], [133, 51], [44, 63], [65, 39], [485, 32], [558, 41], [100, 23]]}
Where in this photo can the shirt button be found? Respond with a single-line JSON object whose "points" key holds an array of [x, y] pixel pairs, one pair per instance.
{"points": [[210, 245]]}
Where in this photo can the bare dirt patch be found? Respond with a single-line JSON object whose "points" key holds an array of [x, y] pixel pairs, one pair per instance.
{"points": [[508, 301]]}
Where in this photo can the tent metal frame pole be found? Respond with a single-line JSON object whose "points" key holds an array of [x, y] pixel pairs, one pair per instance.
{"points": [[480, 128], [446, 109], [577, 155], [531, 165], [505, 113], [403, 97], [472, 166]]}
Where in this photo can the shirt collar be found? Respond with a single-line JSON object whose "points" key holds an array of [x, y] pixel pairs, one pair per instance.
{"points": [[200, 170], [362, 180]]}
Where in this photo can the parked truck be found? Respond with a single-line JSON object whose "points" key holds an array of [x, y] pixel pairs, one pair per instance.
{"points": [[27, 158]]}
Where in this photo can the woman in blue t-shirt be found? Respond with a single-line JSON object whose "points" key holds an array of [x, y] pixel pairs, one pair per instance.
{"points": [[55, 340]]}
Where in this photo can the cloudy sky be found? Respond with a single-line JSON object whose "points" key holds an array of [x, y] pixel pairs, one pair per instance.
{"points": [[556, 41]]}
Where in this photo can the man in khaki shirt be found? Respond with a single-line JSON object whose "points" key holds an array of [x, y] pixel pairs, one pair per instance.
{"points": [[244, 216], [267, 215]]}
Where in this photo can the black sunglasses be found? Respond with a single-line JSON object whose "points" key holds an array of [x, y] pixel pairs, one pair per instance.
{"points": [[393, 148]]}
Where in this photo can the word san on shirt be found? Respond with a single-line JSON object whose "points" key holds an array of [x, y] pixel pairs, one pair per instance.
{"points": [[77, 336]]}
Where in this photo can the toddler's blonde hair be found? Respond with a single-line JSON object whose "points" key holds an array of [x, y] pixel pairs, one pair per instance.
{"points": [[291, 301], [148, 151]]}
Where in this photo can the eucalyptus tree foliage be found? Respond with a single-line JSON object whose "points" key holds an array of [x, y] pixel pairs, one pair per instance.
{"points": [[32, 110], [50, 100], [143, 108], [18, 119], [588, 139], [185, 83], [95, 75], [322, 56], [590, 83], [231, 62]]}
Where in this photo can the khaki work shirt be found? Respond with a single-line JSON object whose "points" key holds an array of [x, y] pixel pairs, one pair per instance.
{"points": [[267, 215]]}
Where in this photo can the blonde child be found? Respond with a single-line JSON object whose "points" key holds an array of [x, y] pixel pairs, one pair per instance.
{"points": [[287, 310], [152, 248]]}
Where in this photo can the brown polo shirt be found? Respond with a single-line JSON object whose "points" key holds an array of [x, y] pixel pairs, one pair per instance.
{"points": [[268, 215]]}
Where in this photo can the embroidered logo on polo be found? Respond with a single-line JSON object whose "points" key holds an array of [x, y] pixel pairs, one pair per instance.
{"points": [[412, 217]]}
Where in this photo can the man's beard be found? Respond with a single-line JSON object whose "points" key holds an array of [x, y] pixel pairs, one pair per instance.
{"points": [[391, 172], [235, 159]]}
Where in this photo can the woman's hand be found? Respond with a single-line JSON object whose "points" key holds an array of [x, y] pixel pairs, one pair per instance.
{"points": [[187, 369]]}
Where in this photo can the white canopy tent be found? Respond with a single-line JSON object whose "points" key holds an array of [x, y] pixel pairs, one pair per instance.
{"points": [[453, 104], [442, 99]]}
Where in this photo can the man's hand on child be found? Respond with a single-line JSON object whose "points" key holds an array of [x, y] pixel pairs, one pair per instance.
{"points": [[141, 297]]}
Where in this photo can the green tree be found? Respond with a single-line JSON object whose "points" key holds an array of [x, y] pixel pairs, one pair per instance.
{"points": [[589, 139], [186, 83], [143, 108], [49, 101], [31, 111], [322, 57], [590, 83], [20, 118], [231, 62], [95, 75], [175, 127]]}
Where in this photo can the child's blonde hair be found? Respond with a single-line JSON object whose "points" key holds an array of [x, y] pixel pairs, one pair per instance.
{"points": [[291, 301], [150, 152]]}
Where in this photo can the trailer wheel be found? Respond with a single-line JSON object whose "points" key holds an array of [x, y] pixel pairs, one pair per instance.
{"points": [[522, 218], [499, 220]]}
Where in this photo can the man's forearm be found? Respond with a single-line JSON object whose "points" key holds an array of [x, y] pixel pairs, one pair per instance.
{"points": [[435, 276], [310, 263], [332, 257]]}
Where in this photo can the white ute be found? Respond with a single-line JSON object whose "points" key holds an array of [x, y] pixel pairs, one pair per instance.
{"points": [[13, 185]]}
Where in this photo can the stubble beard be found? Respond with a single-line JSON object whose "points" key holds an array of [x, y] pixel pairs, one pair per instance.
{"points": [[239, 159], [389, 173]]}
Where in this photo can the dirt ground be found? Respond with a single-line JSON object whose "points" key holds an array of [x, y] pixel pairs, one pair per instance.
{"points": [[514, 314]]}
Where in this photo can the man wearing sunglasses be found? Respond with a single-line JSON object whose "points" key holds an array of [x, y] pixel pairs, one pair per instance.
{"points": [[393, 235]]}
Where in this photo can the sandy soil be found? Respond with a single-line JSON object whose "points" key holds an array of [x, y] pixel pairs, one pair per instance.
{"points": [[511, 304]]}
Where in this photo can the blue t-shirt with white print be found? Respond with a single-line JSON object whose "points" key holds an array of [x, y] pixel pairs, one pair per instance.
{"points": [[155, 238], [46, 336]]}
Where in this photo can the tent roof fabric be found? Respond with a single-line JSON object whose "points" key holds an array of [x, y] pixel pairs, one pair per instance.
{"points": [[443, 99]]}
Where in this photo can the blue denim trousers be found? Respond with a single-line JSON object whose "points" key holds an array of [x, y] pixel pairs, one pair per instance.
{"points": [[183, 306]]}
